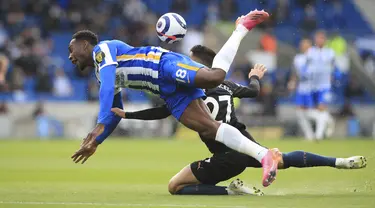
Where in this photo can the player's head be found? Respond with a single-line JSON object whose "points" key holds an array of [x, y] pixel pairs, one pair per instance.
{"points": [[80, 48], [304, 45], [320, 38], [203, 55]]}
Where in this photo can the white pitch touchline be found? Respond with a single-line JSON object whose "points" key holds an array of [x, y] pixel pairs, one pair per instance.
{"points": [[117, 204]]}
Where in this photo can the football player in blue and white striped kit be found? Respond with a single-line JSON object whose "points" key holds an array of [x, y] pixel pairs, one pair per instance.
{"points": [[176, 78], [321, 61], [303, 78]]}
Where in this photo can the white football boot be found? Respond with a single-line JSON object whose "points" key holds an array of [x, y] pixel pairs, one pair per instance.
{"points": [[355, 162], [237, 187]]}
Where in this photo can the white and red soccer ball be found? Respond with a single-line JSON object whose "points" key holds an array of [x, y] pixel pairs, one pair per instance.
{"points": [[171, 28]]}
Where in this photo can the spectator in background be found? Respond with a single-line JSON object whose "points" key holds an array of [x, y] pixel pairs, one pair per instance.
{"points": [[42, 121], [193, 37], [180, 6], [212, 14], [304, 3], [135, 10], [227, 9], [309, 23], [93, 90], [15, 17], [3, 108], [4, 64], [353, 89], [268, 42], [3, 36], [61, 85], [338, 44], [280, 12]]}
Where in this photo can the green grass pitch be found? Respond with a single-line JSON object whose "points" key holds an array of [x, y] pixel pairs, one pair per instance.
{"points": [[135, 173]]}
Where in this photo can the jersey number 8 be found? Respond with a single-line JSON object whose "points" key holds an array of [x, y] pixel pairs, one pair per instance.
{"points": [[181, 73]]}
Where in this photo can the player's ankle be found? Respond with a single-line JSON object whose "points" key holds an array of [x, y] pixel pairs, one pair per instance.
{"points": [[241, 31]]}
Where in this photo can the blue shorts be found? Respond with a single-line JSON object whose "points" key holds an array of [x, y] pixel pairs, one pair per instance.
{"points": [[304, 100], [321, 97], [177, 74]]}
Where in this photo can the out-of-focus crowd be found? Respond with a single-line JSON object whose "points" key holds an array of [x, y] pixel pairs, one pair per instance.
{"points": [[29, 63]]}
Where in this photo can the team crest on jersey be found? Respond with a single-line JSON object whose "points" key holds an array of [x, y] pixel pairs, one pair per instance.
{"points": [[99, 57]]}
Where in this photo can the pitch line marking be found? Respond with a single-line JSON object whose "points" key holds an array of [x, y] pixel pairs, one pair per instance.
{"points": [[116, 204]]}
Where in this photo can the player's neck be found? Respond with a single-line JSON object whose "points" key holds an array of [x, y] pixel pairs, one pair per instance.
{"points": [[91, 49]]}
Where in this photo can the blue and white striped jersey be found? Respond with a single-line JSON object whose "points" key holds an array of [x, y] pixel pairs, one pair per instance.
{"points": [[136, 68], [321, 61], [305, 75]]}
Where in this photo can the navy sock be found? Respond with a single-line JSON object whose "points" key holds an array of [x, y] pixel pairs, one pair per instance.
{"points": [[203, 189], [301, 159]]}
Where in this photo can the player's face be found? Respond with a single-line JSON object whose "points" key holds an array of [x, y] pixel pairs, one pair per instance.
{"points": [[79, 54], [305, 45], [320, 39]]}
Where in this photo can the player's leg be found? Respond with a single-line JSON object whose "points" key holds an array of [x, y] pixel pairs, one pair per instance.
{"points": [[302, 159], [186, 72], [211, 78], [201, 177], [303, 102], [196, 117], [323, 116]]}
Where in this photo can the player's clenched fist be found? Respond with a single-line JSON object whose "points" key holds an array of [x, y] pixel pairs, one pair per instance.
{"points": [[258, 70]]}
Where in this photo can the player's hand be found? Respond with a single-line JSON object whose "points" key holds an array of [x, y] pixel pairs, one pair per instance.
{"points": [[88, 145], [258, 70], [119, 112]]}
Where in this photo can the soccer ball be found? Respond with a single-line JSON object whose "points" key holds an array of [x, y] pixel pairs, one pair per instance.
{"points": [[171, 28]]}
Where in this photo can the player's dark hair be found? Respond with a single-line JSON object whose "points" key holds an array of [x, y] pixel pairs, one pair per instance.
{"points": [[205, 54], [87, 35]]}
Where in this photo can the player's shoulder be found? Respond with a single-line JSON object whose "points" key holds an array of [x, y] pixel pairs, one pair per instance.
{"points": [[299, 56], [299, 59], [231, 85], [329, 51], [111, 46]]}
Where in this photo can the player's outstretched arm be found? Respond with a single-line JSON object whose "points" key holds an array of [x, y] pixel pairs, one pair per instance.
{"points": [[253, 89], [156, 113], [107, 121]]}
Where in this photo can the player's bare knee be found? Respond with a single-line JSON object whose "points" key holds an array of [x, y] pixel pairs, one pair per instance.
{"points": [[172, 186]]}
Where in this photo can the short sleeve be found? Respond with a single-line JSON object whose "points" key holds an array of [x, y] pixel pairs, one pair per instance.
{"points": [[104, 54]]}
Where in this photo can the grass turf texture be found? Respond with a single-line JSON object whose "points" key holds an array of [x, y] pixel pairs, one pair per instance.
{"points": [[135, 173]]}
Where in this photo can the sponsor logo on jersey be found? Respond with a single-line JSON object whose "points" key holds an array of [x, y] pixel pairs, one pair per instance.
{"points": [[99, 57]]}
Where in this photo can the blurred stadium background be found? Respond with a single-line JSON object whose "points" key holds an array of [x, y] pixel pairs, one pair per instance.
{"points": [[44, 96]]}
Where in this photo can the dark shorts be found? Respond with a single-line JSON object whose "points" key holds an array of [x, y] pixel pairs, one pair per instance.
{"points": [[222, 166]]}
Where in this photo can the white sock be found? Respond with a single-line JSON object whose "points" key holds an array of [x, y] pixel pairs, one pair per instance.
{"points": [[330, 118], [339, 161], [225, 56], [321, 124], [230, 192], [305, 124], [313, 114], [233, 139]]}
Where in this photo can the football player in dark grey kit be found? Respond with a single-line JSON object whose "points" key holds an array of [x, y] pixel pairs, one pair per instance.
{"points": [[201, 177]]}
